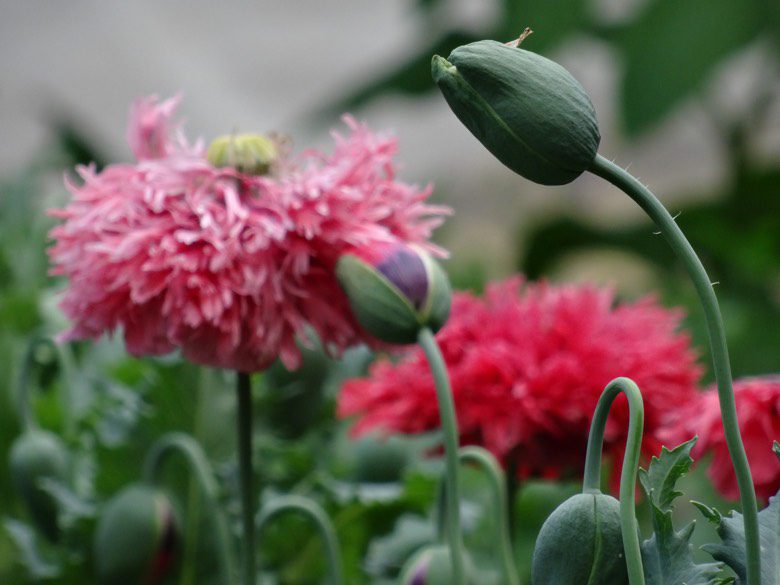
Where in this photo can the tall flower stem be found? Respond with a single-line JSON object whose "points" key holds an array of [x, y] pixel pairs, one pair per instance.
{"points": [[185, 445], [717, 336], [485, 460], [592, 481], [449, 426], [321, 522], [246, 482]]}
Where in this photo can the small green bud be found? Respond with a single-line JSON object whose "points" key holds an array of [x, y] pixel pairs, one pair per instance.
{"points": [[136, 539], [430, 566], [525, 109], [396, 292], [252, 154], [34, 456], [581, 542]]}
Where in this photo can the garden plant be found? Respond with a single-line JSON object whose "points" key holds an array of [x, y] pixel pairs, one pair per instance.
{"points": [[271, 270]]}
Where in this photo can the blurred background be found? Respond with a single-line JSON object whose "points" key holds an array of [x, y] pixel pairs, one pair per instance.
{"points": [[687, 93]]}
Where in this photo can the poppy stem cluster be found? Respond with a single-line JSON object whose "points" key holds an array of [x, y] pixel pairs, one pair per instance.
{"points": [[717, 336], [592, 479]]}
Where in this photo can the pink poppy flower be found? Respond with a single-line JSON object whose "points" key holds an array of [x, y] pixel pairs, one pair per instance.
{"points": [[229, 267], [528, 363], [758, 409]]}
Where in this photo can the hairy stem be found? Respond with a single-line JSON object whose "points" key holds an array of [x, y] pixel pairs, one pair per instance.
{"points": [[449, 426], [717, 336]]}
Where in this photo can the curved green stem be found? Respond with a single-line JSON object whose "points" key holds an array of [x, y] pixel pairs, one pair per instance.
{"points": [[449, 426], [199, 466], [23, 392], [321, 521], [246, 481], [592, 481], [717, 336], [485, 460]]}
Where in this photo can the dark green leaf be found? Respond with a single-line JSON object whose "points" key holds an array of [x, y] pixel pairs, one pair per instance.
{"points": [[388, 554], [672, 47], [666, 555], [732, 548], [30, 555], [660, 478]]}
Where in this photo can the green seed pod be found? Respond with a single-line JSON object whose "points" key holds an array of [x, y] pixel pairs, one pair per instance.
{"points": [[34, 456], [396, 292], [380, 459], [252, 154], [580, 543], [525, 109], [430, 566], [136, 539]]}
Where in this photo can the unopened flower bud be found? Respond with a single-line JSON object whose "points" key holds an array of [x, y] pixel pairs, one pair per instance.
{"points": [[137, 538], [395, 292], [430, 566], [253, 154], [35, 456], [581, 540], [525, 109]]}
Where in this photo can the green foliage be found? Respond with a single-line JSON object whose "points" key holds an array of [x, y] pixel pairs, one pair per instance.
{"points": [[732, 548], [672, 47], [666, 555]]}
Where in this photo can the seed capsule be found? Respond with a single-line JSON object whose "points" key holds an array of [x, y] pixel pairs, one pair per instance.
{"points": [[581, 542]]}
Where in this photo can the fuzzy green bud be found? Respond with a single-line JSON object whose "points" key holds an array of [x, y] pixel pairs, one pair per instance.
{"points": [[528, 111], [395, 292], [581, 541], [252, 154], [137, 538], [35, 456]]}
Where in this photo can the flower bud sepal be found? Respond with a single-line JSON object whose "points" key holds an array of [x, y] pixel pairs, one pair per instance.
{"points": [[397, 292]]}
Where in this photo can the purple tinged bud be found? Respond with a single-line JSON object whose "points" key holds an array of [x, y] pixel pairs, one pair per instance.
{"points": [[405, 269]]}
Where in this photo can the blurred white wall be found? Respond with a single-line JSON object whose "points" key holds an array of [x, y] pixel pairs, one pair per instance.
{"points": [[269, 64]]}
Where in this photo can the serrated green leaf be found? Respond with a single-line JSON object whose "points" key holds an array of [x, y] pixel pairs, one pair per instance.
{"points": [[671, 49], [30, 555], [663, 474], [776, 448], [666, 555], [388, 554], [711, 514], [732, 548]]}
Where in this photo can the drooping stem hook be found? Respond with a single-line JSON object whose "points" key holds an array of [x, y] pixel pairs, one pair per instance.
{"points": [[321, 521], [592, 480], [190, 450]]}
